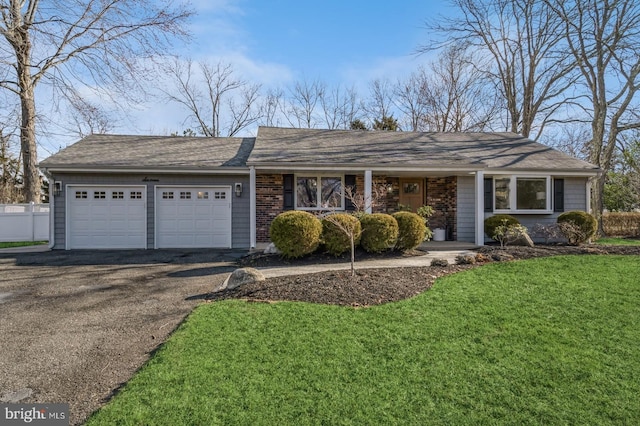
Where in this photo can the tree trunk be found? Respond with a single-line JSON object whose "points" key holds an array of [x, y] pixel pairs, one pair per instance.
{"points": [[28, 146], [353, 254], [597, 201]]}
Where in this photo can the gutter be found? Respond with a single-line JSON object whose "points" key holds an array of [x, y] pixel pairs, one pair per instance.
{"points": [[217, 171], [52, 204]]}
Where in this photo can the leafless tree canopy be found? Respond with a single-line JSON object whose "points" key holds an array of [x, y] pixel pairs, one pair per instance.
{"points": [[527, 61], [603, 38], [69, 43], [452, 95], [218, 102]]}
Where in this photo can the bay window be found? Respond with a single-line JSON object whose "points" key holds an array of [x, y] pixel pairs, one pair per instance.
{"points": [[319, 192], [522, 194]]}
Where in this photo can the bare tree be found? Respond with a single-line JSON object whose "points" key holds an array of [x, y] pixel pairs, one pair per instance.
{"points": [[218, 102], [87, 118], [300, 108], [603, 37], [409, 97], [10, 176], [380, 104], [451, 96], [271, 104], [339, 107], [96, 43], [529, 65]]}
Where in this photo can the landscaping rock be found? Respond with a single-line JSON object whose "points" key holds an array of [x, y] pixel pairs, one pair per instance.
{"points": [[443, 263], [501, 257], [523, 240], [465, 259], [271, 249], [17, 396], [242, 276]]}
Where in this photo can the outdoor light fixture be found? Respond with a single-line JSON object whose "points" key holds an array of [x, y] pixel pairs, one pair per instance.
{"points": [[57, 188], [238, 188]]}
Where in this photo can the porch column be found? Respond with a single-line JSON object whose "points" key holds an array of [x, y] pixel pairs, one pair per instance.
{"points": [[368, 184], [252, 205], [479, 208]]}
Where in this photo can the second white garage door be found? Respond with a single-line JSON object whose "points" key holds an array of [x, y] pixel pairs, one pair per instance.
{"points": [[193, 217]]}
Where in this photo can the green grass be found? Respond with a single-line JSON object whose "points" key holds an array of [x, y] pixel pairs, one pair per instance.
{"points": [[22, 244], [619, 241], [543, 341]]}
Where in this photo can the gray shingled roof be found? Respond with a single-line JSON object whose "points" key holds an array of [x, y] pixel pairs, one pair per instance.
{"points": [[282, 148], [302, 147], [148, 152]]}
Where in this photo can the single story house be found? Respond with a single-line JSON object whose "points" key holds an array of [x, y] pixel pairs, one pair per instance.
{"points": [[110, 191]]}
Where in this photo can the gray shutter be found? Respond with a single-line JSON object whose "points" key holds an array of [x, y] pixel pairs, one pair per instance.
{"points": [[349, 182], [488, 194], [558, 195], [287, 184]]}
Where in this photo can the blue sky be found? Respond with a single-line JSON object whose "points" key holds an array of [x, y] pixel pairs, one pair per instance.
{"points": [[337, 41], [276, 43]]}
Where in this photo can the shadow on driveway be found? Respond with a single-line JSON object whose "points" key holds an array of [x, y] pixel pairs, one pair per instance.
{"points": [[122, 257]]}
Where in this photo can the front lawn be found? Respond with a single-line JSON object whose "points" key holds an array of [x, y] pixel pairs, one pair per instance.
{"points": [[542, 341], [21, 244], [616, 241]]}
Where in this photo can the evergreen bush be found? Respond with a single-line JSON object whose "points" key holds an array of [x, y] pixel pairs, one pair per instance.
{"points": [[296, 233]]}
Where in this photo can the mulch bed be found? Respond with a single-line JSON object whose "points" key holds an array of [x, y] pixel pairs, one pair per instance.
{"points": [[377, 286]]}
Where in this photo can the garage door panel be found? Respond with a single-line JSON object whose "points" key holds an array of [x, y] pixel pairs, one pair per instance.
{"points": [[106, 217], [193, 218]]}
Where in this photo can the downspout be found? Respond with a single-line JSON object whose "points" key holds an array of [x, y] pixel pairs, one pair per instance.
{"points": [[52, 231]]}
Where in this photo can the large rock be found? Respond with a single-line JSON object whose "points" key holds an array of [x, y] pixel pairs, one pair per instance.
{"points": [[523, 240], [242, 276], [271, 249]]}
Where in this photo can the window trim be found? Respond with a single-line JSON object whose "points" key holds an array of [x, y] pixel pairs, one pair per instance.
{"points": [[319, 177], [513, 195]]}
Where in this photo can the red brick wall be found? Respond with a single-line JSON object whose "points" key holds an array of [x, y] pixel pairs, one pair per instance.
{"points": [[442, 195], [269, 201]]}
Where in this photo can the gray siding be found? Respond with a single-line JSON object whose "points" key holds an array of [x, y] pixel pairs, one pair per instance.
{"points": [[466, 209], [240, 220], [575, 198]]}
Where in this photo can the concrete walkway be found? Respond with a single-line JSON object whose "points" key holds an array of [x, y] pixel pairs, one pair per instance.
{"points": [[424, 260]]}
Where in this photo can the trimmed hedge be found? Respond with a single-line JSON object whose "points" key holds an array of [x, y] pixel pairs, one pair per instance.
{"points": [[335, 232], [491, 223], [411, 230], [621, 224], [296, 233], [379, 232], [578, 227]]}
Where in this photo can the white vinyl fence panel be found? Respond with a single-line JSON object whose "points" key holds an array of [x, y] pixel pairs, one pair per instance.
{"points": [[24, 222]]}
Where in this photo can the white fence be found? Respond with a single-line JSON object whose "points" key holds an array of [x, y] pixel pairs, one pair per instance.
{"points": [[24, 222]]}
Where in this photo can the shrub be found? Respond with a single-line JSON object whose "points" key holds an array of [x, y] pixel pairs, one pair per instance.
{"points": [[411, 230], [379, 232], [336, 231], [621, 224], [491, 223], [578, 227], [506, 234], [296, 233]]}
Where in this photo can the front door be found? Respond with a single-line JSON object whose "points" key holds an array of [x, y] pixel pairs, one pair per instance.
{"points": [[412, 193]]}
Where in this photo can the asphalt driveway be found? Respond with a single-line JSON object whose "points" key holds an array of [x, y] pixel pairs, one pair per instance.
{"points": [[75, 325]]}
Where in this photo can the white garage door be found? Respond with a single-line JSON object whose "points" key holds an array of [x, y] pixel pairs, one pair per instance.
{"points": [[106, 217], [195, 217]]}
